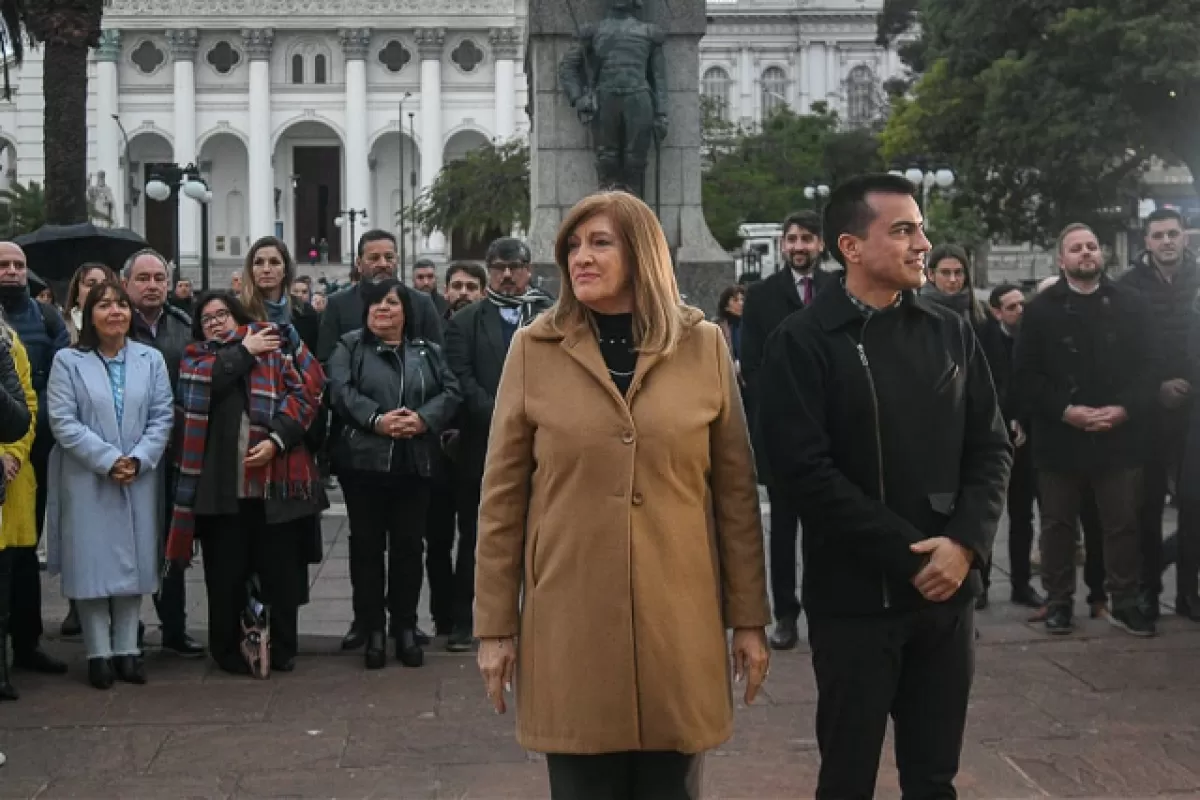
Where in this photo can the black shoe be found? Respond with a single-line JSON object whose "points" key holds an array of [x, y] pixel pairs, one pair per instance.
{"points": [[183, 645], [376, 657], [71, 628], [283, 663], [355, 638], [1027, 596], [1058, 621], [141, 636], [981, 602], [130, 669], [100, 673], [785, 636], [1131, 620], [408, 652], [422, 638], [38, 660], [461, 640], [1187, 607], [1148, 606]]}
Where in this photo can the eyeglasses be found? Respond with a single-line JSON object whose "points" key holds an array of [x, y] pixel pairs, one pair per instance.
{"points": [[464, 286], [220, 317]]}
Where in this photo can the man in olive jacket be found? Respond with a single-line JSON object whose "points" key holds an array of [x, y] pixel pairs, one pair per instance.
{"points": [[878, 414]]}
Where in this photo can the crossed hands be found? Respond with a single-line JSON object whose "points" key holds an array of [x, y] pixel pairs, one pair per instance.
{"points": [[400, 424], [945, 570], [12, 465], [1095, 420], [124, 470]]}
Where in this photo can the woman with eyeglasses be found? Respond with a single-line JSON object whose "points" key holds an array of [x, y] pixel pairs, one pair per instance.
{"points": [[111, 411], [247, 486]]}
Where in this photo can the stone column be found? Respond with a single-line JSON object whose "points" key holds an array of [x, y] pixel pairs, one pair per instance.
{"points": [[430, 43], [505, 44], [355, 43], [109, 143], [799, 95], [833, 76], [262, 175], [183, 44], [816, 73], [745, 82]]}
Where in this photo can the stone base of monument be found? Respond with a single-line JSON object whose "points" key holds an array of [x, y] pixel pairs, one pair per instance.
{"points": [[561, 158]]}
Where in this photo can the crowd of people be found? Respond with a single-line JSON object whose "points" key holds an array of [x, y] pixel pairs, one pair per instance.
{"points": [[576, 477]]}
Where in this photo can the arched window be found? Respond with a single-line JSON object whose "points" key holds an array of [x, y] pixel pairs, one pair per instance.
{"points": [[297, 68], [716, 87], [319, 69], [774, 90], [860, 96]]}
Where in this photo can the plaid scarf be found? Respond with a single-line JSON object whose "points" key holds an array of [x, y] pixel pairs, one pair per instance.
{"points": [[529, 305], [281, 382]]}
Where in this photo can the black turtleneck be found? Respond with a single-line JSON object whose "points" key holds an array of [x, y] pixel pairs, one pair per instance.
{"points": [[616, 345]]}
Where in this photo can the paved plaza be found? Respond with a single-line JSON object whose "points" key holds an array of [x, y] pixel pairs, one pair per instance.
{"points": [[1097, 715]]}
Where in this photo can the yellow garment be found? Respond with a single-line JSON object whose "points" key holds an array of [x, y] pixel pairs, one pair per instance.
{"points": [[18, 527]]}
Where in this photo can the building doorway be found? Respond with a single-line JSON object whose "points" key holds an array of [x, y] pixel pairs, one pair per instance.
{"points": [[317, 177]]}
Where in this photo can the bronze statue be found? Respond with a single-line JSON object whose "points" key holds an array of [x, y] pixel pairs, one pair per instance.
{"points": [[615, 78]]}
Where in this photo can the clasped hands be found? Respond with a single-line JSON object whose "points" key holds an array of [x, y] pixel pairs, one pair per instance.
{"points": [[1095, 420], [124, 470], [400, 424], [945, 569]]}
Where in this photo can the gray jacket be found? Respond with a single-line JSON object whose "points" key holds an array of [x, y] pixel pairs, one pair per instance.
{"points": [[366, 380]]}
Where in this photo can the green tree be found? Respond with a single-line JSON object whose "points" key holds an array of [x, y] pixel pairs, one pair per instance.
{"points": [[761, 176], [22, 209], [484, 192], [1048, 111]]}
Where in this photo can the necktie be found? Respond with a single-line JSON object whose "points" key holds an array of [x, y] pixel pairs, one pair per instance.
{"points": [[806, 290]]}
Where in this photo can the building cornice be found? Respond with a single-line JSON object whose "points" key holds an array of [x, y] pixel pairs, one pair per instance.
{"points": [[306, 8]]}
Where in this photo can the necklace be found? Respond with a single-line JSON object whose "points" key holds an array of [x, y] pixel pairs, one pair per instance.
{"points": [[618, 374], [614, 340]]}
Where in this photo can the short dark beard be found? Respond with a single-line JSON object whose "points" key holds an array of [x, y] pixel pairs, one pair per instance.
{"points": [[810, 261]]}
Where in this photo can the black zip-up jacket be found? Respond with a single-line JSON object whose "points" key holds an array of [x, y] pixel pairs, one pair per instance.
{"points": [[886, 432]]}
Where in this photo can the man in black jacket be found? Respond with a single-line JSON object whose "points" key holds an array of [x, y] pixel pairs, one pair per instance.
{"points": [[1166, 277], [1086, 376], [879, 417], [477, 342], [768, 304], [998, 338], [424, 279]]}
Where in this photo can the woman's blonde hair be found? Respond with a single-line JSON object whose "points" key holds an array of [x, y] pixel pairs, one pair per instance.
{"points": [[658, 310]]}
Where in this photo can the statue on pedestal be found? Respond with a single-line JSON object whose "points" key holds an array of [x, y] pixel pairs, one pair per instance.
{"points": [[100, 199], [615, 79]]}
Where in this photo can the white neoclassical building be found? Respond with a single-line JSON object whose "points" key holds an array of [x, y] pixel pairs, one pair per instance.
{"points": [[298, 111]]}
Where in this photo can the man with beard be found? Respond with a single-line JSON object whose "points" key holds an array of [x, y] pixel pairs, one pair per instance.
{"points": [[880, 419], [768, 303], [1087, 377], [43, 332], [425, 280], [344, 310], [464, 286], [1166, 277], [998, 337], [477, 342]]}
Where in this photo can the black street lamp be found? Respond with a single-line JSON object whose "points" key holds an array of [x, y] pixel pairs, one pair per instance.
{"points": [[167, 181], [353, 215], [130, 189], [926, 178], [400, 133], [816, 192], [412, 182]]}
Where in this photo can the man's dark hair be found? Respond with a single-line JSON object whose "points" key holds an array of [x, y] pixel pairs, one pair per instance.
{"points": [[998, 293], [423, 263], [807, 220], [374, 235], [1162, 215], [305, 279], [373, 294], [508, 250], [236, 310], [474, 270], [849, 212], [89, 337]]}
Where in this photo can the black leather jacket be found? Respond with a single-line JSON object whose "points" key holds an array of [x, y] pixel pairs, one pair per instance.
{"points": [[366, 378]]}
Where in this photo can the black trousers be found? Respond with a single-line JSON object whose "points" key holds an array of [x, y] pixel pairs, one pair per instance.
{"points": [[386, 513], [916, 667], [439, 550], [1187, 546], [464, 561], [1022, 491], [1093, 548], [25, 623], [5, 584], [1156, 475], [236, 547], [171, 600], [636, 775], [785, 522]]}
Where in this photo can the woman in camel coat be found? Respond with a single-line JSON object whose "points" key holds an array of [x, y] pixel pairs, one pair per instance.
{"points": [[619, 531]]}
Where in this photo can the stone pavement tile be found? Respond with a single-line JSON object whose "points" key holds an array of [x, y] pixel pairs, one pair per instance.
{"points": [[326, 611], [202, 704], [139, 787], [79, 752], [335, 568], [199, 749], [1131, 712], [331, 589], [1018, 671], [356, 693], [763, 730], [1101, 766], [53, 701], [483, 738], [13, 787], [1142, 669], [515, 781], [982, 775], [759, 777], [993, 718], [413, 783], [791, 679]]}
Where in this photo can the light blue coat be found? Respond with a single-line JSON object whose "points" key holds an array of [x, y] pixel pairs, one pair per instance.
{"points": [[103, 538]]}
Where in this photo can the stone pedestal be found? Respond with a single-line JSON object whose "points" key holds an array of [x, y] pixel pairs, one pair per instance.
{"points": [[561, 159]]}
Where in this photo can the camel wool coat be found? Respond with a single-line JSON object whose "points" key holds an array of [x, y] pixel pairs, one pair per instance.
{"points": [[619, 539]]}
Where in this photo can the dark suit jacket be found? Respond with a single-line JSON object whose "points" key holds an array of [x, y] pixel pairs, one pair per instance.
{"points": [[344, 313], [476, 351], [768, 303]]}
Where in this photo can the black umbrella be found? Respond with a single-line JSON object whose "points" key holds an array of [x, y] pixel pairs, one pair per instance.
{"points": [[56, 251]]}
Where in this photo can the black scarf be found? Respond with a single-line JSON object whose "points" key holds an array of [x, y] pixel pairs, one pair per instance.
{"points": [[530, 304]]}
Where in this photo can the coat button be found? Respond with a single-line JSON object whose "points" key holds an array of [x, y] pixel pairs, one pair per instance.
{"points": [[637, 498], [627, 437]]}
